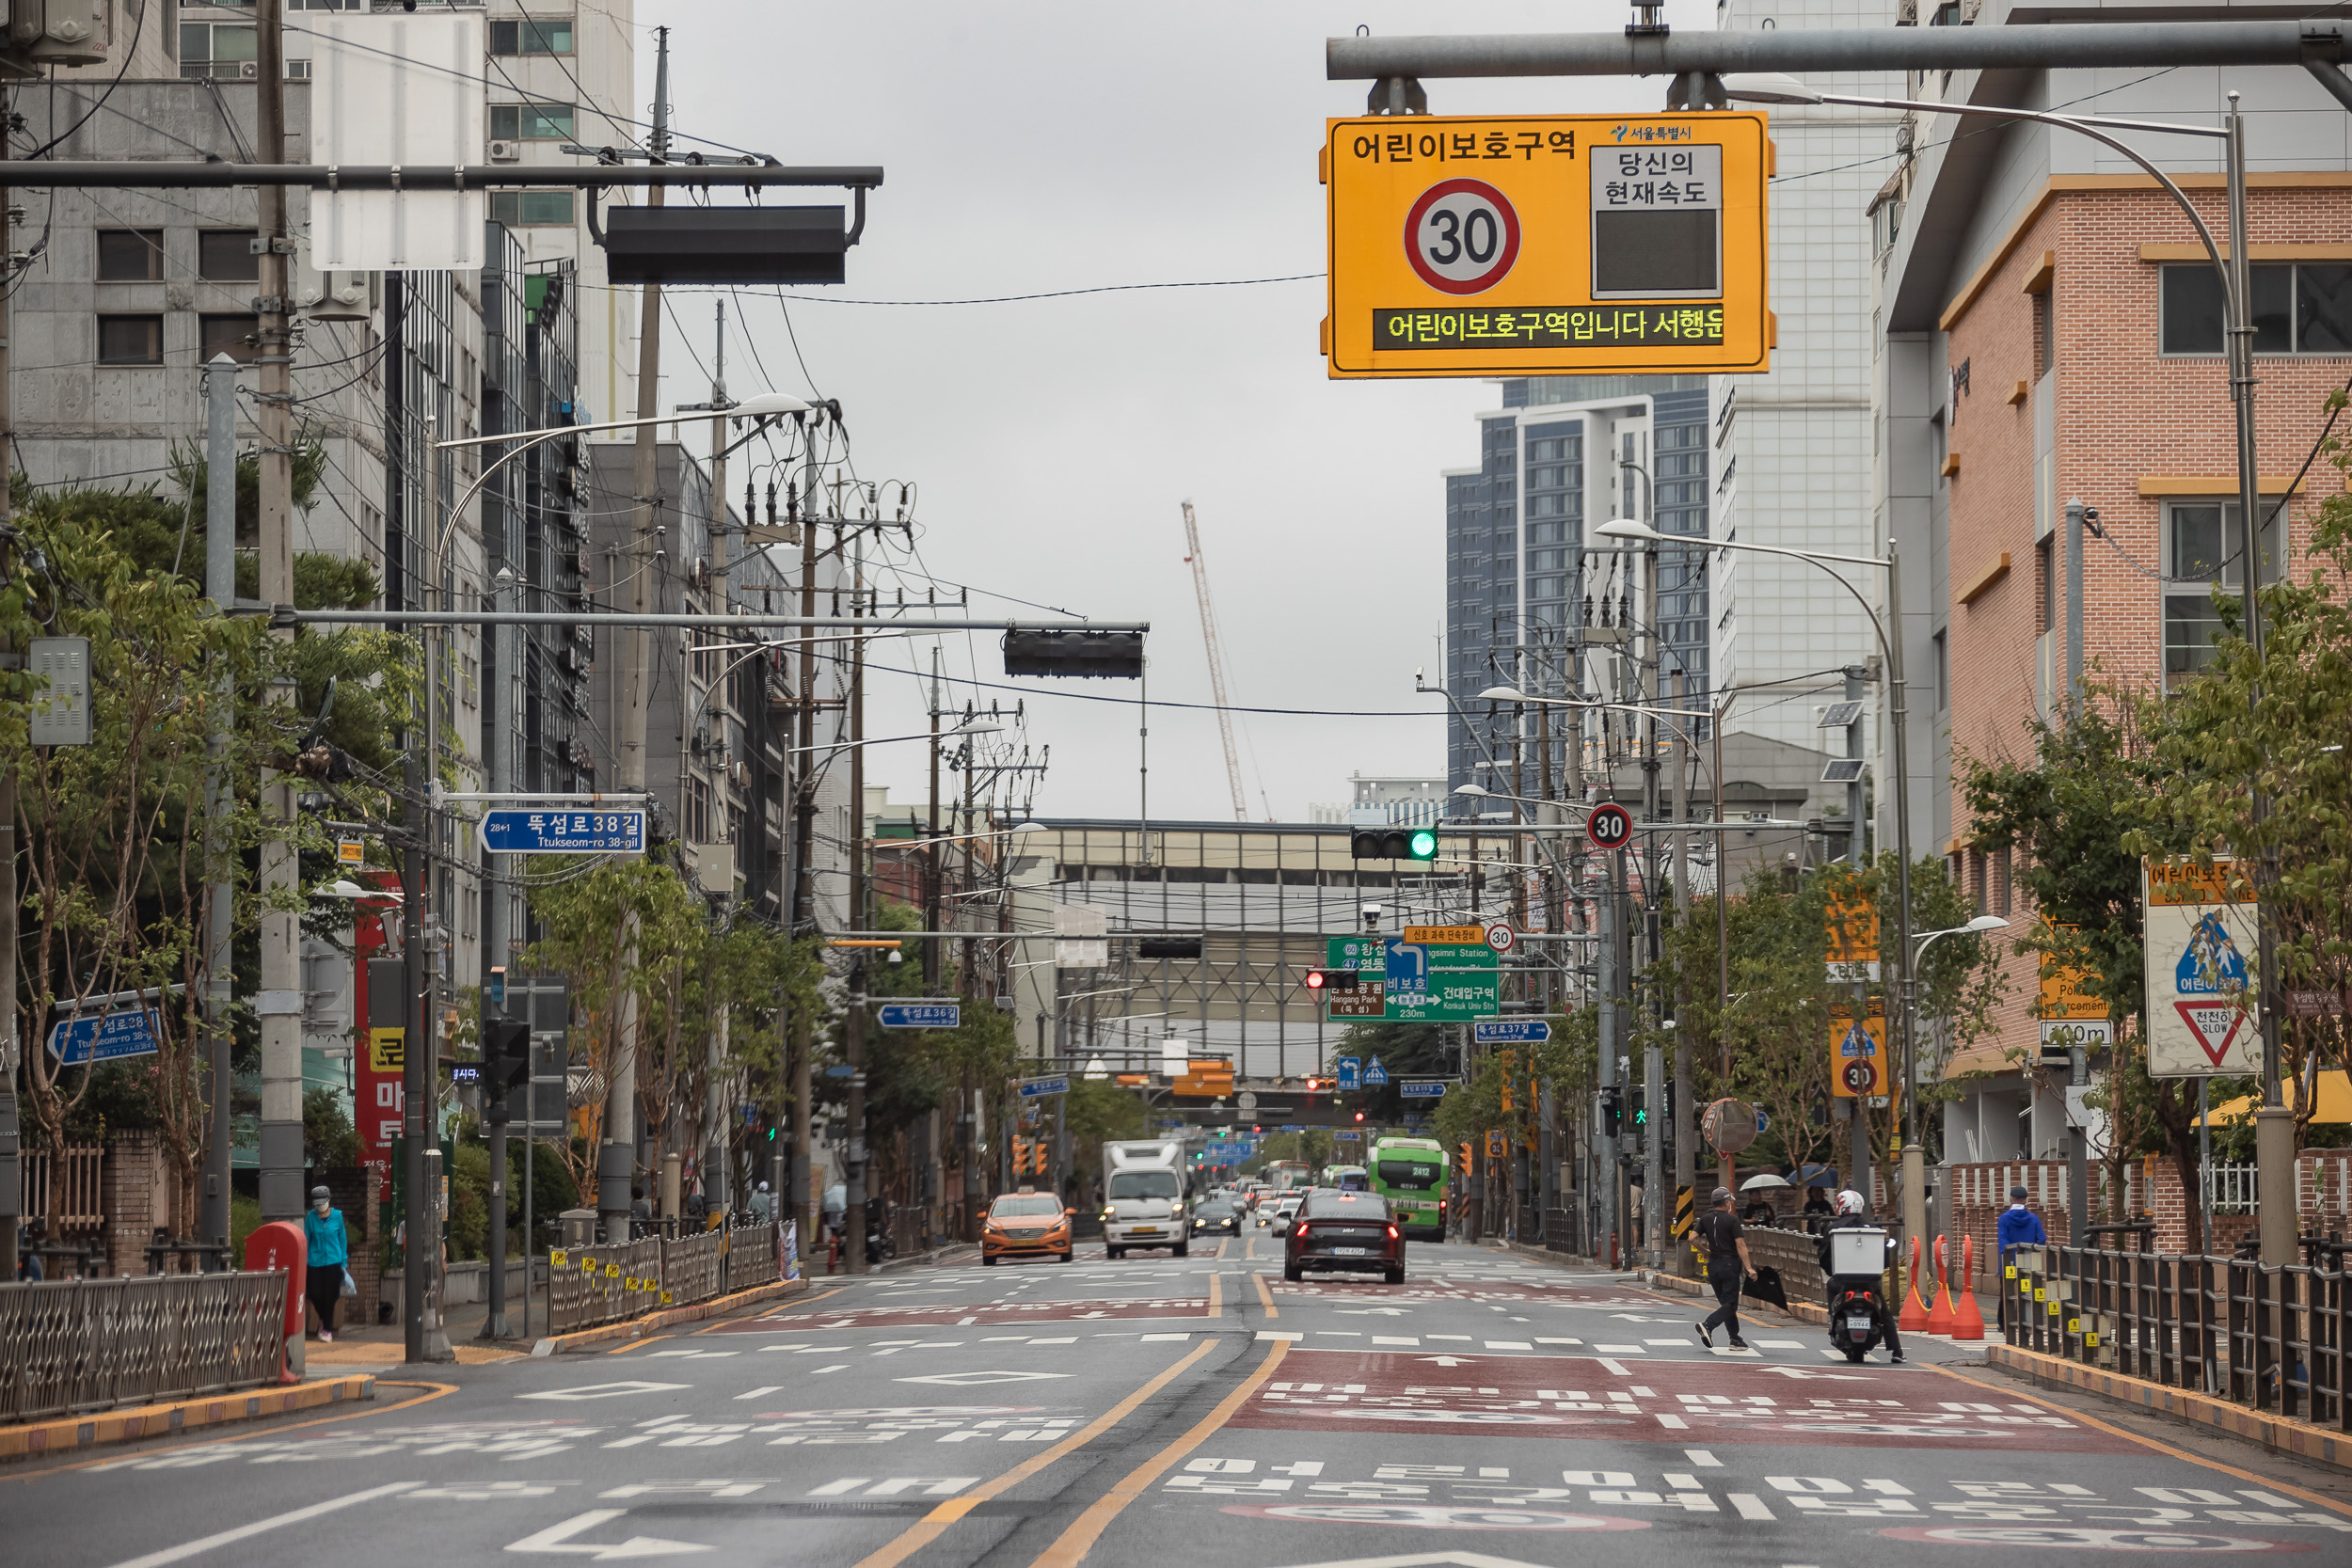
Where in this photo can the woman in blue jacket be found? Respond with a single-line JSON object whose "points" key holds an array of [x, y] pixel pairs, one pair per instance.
{"points": [[330, 1252]]}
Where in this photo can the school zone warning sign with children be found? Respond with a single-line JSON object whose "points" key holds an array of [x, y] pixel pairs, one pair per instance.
{"points": [[2200, 941]]}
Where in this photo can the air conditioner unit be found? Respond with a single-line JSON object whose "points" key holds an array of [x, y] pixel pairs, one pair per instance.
{"points": [[249, 71], [506, 151]]}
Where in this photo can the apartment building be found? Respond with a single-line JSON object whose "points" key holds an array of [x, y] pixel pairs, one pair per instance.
{"points": [[2049, 332]]}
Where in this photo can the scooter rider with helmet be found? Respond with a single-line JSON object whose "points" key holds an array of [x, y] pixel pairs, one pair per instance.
{"points": [[1853, 1214]]}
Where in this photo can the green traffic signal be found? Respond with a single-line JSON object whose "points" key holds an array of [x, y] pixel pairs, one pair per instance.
{"points": [[1422, 844]]}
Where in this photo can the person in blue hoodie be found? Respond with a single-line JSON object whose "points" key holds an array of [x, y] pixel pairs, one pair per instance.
{"points": [[330, 1252], [2020, 1227]]}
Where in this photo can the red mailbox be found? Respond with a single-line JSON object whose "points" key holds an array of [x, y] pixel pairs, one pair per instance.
{"points": [[280, 1244]]}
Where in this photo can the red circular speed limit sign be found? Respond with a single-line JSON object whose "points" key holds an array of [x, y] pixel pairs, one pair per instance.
{"points": [[1462, 236], [1860, 1077], [1609, 827]]}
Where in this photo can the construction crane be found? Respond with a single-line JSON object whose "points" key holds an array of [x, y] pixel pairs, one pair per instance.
{"points": [[1216, 661]]}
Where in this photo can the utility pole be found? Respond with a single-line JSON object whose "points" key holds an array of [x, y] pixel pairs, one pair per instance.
{"points": [[806, 1199], [11, 1143], [280, 1004], [1681, 1099], [616, 1160], [858, 919], [714, 1092], [932, 900], [220, 586]]}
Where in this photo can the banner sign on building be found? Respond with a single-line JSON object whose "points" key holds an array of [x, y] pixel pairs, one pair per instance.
{"points": [[2199, 936]]}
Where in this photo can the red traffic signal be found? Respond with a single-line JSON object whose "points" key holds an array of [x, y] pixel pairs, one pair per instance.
{"points": [[1317, 979], [1331, 979]]}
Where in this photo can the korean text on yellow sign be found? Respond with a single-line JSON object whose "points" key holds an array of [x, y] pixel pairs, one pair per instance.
{"points": [[1859, 1065], [1546, 243]]}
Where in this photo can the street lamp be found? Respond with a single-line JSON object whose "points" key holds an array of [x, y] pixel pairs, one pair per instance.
{"points": [[2274, 1149], [1915, 1158]]}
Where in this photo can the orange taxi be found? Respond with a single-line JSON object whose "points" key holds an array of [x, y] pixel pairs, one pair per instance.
{"points": [[1025, 1223]]}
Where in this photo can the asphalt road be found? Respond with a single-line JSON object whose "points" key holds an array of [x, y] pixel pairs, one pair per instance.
{"points": [[1492, 1410]]}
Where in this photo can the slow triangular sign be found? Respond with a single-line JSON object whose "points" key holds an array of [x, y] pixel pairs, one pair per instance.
{"points": [[2214, 1025]]}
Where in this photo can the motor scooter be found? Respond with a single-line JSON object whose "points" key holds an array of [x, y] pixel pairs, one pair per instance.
{"points": [[1855, 1262]]}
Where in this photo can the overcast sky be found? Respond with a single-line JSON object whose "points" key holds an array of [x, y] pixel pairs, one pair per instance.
{"points": [[1041, 146]]}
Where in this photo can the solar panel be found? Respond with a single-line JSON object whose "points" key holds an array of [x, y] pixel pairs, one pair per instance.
{"points": [[1842, 770], [1838, 715]]}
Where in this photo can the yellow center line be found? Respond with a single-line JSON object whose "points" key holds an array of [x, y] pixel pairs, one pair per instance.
{"points": [[1217, 1296], [2271, 1483], [1265, 1297], [1222, 1244], [1080, 1538], [934, 1523], [638, 1344], [1249, 1250]]}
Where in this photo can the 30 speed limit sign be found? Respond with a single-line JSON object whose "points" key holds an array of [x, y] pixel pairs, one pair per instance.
{"points": [[1462, 236], [1609, 827]]}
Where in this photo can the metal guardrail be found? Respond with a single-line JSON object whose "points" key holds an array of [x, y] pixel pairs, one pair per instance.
{"points": [[2276, 1340], [69, 1347], [590, 1285]]}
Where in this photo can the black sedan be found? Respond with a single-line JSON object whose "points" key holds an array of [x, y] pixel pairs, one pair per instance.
{"points": [[1337, 1230], [1220, 1214]]}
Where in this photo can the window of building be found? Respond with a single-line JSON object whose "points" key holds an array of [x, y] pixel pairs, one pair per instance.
{"points": [[130, 255], [697, 809], [225, 256], [2045, 332], [233, 336], [2302, 309], [532, 121], [1943, 673], [2045, 584], [228, 52], [516, 208], [130, 340], [2202, 551], [2001, 882], [531, 35]]}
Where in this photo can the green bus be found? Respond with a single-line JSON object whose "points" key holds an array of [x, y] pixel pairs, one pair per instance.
{"points": [[1411, 1174]]}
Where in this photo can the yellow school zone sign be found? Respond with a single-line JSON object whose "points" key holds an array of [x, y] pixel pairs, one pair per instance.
{"points": [[1546, 244]]}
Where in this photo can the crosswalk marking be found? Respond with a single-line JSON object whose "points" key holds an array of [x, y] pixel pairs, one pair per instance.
{"points": [[755, 1393]]}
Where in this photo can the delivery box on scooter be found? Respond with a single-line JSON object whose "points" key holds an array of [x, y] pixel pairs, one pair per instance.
{"points": [[1861, 1250]]}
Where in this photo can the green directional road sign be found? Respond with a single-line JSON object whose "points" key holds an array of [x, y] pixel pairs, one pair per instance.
{"points": [[1415, 982]]}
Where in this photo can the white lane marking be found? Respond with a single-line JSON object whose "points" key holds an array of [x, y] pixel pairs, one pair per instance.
{"points": [[604, 1390], [1277, 1334], [1736, 1350], [973, 1379], [1178, 1338], [1396, 1339], [1641, 1393], [1464, 1338], [190, 1549], [1508, 1344], [557, 1538], [764, 1388], [1703, 1458], [1677, 1339], [961, 1321], [1072, 1340], [1342, 1333], [1683, 1482], [1624, 1349], [1749, 1504], [1673, 1423], [836, 1367], [1543, 1341], [1616, 1367], [1782, 1344]]}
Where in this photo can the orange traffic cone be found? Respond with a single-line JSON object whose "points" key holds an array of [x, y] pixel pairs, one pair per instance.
{"points": [[1915, 1313], [1968, 1324], [1941, 1319]]}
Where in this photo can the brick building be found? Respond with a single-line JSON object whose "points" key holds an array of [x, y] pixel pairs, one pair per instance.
{"points": [[2049, 331]]}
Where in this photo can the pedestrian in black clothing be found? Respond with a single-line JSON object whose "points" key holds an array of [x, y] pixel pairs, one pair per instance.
{"points": [[1727, 1266]]}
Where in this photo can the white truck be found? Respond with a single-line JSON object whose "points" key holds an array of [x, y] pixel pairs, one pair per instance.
{"points": [[1145, 1183]]}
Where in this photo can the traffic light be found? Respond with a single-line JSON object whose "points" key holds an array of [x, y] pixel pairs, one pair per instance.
{"points": [[1168, 947], [1332, 980], [1612, 1112], [1394, 844], [505, 1057], [1020, 1156], [1641, 1115]]}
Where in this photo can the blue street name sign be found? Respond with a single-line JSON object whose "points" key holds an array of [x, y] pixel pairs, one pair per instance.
{"points": [[1347, 1137], [1037, 1088], [1375, 1074], [548, 830], [1421, 1091], [79, 1041], [921, 1015], [1533, 1031], [1350, 1071]]}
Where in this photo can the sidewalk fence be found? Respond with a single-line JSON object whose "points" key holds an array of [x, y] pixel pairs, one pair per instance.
{"points": [[590, 1285], [78, 1346], [2271, 1339]]}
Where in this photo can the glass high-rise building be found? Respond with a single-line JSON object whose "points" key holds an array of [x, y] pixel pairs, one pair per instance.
{"points": [[1533, 599]]}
